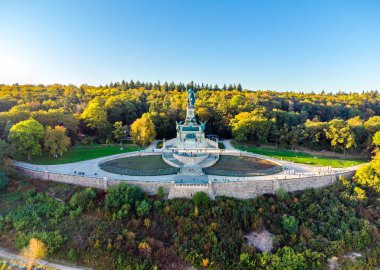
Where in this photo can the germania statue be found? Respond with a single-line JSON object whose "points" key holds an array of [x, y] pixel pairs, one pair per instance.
{"points": [[190, 98]]}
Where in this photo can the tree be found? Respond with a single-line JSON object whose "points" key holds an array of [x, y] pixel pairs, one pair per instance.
{"points": [[56, 142], [315, 132], [3, 180], [340, 134], [5, 150], [26, 136], [376, 139], [120, 131], [200, 198], [95, 114], [122, 194], [143, 207], [143, 130], [83, 198], [34, 251], [251, 126], [120, 108]]}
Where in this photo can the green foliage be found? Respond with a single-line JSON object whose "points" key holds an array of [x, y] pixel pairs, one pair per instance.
{"points": [[120, 131], [376, 139], [285, 258], [200, 198], [340, 134], [3, 181], [289, 119], [53, 240], [160, 192], [290, 224], [251, 126], [368, 175], [83, 199], [95, 114], [72, 255], [5, 150], [143, 207], [121, 198], [26, 136], [39, 211], [282, 194], [56, 142]]}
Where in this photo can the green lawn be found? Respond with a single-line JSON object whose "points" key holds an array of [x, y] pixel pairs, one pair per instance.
{"points": [[301, 157], [85, 152], [139, 165]]}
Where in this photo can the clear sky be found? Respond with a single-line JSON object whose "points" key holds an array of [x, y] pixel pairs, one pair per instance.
{"points": [[300, 45]]}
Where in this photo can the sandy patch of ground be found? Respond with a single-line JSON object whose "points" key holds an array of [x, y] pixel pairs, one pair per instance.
{"points": [[263, 240]]}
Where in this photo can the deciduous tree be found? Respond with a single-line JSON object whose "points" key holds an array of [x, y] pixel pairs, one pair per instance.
{"points": [[56, 142], [26, 136], [143, 130]]}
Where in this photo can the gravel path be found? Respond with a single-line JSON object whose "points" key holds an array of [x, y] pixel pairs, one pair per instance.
{"points": [[4, 254]]}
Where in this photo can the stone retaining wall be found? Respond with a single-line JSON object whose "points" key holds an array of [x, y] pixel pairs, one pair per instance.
{"points": [[237, 189], [251, 189], [149, 187]]}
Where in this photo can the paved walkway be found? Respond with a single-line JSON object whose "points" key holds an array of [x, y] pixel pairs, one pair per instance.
{"points": [[90, 168], [4, 254]]}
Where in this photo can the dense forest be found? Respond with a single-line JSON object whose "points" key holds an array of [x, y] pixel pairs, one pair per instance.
{"points": [[343, 122], [124, 228]]}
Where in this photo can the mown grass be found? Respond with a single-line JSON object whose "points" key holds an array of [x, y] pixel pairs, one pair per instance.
{"points": [[84, 152], [140, 163], [301, 157]]}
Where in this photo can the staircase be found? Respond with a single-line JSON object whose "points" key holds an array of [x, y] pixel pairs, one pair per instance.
{"points": [[170, 160], [209, 161]]}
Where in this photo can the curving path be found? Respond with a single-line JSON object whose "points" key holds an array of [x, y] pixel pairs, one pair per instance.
{"points": [[90, 168], [12, 256]]}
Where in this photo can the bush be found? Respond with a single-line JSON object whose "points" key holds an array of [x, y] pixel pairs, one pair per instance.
{"points": [[290, 224], [53, 240], [3, 181], [83, 199], [122, 194], [200, 198], [160, 192], [72, 255], [282, 194], [142, 208]]}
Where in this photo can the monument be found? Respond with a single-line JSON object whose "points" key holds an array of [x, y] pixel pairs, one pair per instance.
{"points": [[191, 134]]}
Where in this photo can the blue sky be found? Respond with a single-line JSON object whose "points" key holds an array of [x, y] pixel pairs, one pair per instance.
{"points": [[299, 45]]}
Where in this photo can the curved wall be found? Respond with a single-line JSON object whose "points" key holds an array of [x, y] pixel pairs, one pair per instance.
{"points": [[237, 189]]}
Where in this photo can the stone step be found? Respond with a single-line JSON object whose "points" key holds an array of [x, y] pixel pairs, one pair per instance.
{"points": [[211, 160]]}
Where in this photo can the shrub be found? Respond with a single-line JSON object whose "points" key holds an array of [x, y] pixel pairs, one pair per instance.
{"points": [[72, 255], [142, 208], [3, 181], [360, 194], [200, 198], [160, 192], [53, 240], [121, 195], [290, 224], [282, 194], [83, 199]]}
